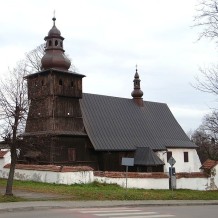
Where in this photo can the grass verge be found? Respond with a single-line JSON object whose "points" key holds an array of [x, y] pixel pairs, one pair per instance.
{"points": [[98, 191]]}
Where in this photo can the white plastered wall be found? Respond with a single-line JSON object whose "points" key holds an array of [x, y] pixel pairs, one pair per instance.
{"points": [[193, 165], [5, 160], [213, 180], [68, 178]]}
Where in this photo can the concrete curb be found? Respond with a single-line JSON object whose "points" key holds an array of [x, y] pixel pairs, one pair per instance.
{"points": [[45, 205]]}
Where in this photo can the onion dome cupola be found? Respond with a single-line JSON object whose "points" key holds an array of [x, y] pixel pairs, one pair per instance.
{"points": [[54, 53], [137, 93]]}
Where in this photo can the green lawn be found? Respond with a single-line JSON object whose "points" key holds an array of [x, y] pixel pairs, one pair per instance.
{"points": [[97, 191]]}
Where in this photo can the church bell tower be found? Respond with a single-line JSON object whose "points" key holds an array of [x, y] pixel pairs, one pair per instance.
{"points": [[54, 121]]}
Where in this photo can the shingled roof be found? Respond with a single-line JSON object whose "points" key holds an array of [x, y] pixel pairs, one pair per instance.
{"points": [[146, 157], [209, 164], [118, 124]]}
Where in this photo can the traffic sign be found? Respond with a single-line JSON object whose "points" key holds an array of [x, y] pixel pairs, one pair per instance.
{"points": [[127, 161], [171, 161]]}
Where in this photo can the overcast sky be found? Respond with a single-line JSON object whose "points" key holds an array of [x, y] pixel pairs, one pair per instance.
{"points": [[107, 38]]}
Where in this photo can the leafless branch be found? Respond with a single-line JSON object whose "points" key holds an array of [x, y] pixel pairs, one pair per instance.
{"points": [[208, 80], [207, 19]]}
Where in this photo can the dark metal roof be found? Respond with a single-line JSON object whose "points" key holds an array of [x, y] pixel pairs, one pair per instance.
{"points": [[114, 123], [146, 157]]}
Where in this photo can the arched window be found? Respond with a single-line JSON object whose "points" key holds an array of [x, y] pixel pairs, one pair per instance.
{"points": [[61, 44], [71, 84], [56, 42], [60, 82], [50, 43]]}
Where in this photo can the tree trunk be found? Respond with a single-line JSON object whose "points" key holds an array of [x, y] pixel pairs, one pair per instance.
{"points": [[13, 148], [11, 172]]}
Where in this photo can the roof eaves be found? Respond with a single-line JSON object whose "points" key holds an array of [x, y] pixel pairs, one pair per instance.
{"points": [[55, 71]]}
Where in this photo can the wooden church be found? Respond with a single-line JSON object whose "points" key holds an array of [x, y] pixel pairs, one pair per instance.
{"points": [[68, 127]]}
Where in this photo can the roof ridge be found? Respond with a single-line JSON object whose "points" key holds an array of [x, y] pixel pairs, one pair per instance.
{"points": [[155, 102]]}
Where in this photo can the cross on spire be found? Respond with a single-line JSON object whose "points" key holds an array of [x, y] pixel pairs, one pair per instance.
{"points": [[54, 18]]}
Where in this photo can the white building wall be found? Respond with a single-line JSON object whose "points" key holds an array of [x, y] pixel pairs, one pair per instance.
{"points": [[216, 176], [157, 183], [4, 161], [144, 183], [193, 165], [84, 177], [7, 157], [192, 183], [67, 178], [213, 180]]}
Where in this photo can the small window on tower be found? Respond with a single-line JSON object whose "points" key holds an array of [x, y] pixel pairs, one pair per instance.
{"points": [[50, 43], [71, 84], [56, 42], [61, 44], [60, 82]]}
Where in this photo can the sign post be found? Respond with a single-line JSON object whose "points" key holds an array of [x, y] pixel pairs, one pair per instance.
{"points": [[127, 162], [172, 161]]}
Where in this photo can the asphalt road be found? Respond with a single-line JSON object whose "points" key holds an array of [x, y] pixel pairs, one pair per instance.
{"points": [[206, 211]]}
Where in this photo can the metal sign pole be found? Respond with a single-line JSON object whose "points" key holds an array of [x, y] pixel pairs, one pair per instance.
{"points": [[171, 161], [171, 177], [127, 162], [126, 175]]}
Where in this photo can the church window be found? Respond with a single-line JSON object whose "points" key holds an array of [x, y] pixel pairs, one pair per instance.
{"points": [[56, 42], [169, 155], [71, 84], [50, 43], [60, 82], [185, 156], [71, 154]]}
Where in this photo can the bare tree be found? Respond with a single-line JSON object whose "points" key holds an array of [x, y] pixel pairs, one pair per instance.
{"points": [[208, 82], [33, 59], [206, 137], [207, 19], [210, 125], [200, 138], [14, 107]]}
